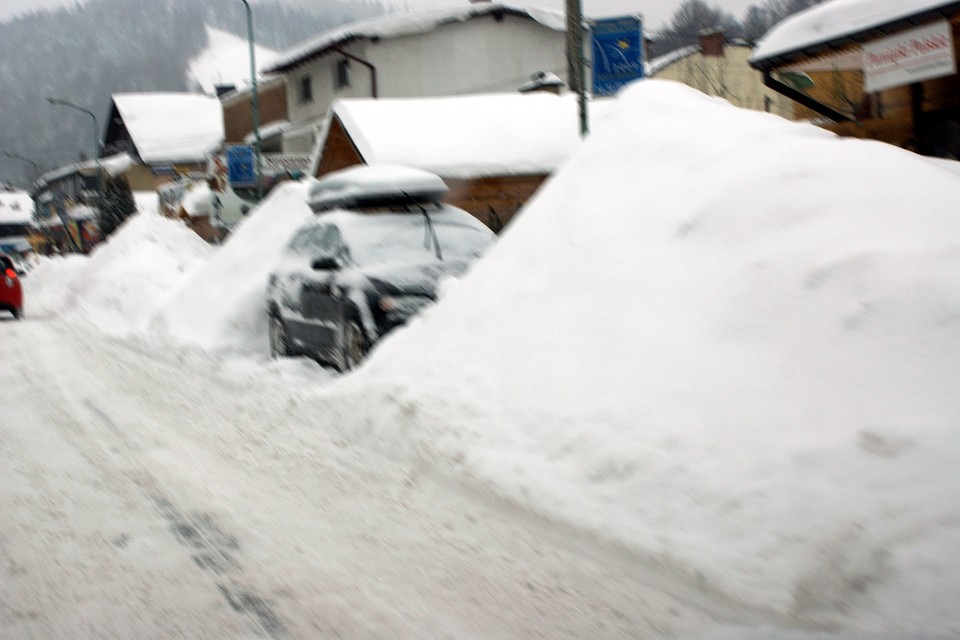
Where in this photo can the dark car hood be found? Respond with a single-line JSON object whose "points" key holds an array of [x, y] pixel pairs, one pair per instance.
{"points": [[413, 279]]}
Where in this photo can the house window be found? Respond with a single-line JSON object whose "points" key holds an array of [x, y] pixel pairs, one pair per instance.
{"points": [[342, 74], [306, 89]]}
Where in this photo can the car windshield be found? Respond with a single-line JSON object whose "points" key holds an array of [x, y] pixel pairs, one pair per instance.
{"points": [[375, 239]]}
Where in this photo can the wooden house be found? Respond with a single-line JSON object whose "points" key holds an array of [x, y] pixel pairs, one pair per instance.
{"points": [[888, 73], [493, 151]]}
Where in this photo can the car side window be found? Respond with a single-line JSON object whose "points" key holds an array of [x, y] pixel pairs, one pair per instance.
{"points": [[330, 242], [301, 240]]}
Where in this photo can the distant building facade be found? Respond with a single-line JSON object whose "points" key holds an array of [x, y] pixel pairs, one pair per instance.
{"points": [[473, 48]]}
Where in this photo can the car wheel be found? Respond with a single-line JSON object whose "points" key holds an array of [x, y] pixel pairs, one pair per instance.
{"points": [[354, 344], [279, 344]]}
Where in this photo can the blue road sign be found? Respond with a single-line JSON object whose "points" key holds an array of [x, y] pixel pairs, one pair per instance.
{"points": [[240, 169], [617, 53]]}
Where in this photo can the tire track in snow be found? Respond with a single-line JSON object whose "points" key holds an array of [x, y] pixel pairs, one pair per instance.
{"points": [[211, 548]]}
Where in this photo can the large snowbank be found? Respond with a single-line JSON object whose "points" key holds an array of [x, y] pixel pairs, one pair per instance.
{"points": [[125, 281], [721, 339], [222, 306]]}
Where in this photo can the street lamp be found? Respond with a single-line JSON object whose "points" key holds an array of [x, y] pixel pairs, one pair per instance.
{"points": [[96, 134], [17, 156], [256, 102], [96, 144], [96, 125]]}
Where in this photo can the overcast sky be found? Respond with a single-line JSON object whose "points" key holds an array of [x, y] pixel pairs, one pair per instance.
{"points": [[655, 12]]}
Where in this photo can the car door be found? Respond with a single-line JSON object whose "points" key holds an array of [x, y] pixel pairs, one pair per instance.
{"points": [[287, 280], [317, 291]]}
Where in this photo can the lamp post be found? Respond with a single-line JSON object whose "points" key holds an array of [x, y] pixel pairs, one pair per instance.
{"points": [[256, 103], [96, 149], [96, 133], [17, 156]]}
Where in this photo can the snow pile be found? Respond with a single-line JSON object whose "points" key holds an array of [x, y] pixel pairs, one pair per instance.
{"points": [[221, 308], [125, 280], [723, 339]]}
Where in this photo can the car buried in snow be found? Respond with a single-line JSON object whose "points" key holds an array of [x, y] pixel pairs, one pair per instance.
{"points": [[371, 258]]}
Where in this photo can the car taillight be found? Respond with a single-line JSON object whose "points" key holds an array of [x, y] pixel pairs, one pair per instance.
{"points": [[10, 277], [11, 274]]}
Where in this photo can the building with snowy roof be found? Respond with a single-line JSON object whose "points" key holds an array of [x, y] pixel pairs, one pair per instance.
{"points": [[882, 69], [166, 134], [450, 50], [719, 67], [493, 151]]}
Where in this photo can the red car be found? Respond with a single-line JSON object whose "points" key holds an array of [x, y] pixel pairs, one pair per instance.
{"points": [[11, 294]]}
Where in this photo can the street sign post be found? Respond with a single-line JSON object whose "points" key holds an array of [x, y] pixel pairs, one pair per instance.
{"points": [[241, 171], [617, 53]]}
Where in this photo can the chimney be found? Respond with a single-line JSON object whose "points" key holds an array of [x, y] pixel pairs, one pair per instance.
{"points": [[223, 89], [711, 42], [543, 81]]}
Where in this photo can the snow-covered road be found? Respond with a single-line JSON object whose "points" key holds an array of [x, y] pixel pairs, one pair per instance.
{"points": [[150, 496]]}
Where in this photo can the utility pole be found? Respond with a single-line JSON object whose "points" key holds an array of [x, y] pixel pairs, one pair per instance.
{"points": [[256, 103], [575, 70]]}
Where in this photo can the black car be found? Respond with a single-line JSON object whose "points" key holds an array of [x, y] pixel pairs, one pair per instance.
{"points": [[348, 277]]}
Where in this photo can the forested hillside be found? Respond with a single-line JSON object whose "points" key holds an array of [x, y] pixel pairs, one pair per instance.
{"points": [[86, 53]]}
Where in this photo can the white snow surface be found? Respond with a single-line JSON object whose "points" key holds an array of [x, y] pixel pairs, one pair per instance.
{"points": [[721, 340], [468, 136], [834, 19], [226, 60], [172, 127], [15, 207]]}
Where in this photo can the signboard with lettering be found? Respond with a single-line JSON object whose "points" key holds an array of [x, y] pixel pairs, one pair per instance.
{"points": [[916, 55], [617, 53], [240, 169]]}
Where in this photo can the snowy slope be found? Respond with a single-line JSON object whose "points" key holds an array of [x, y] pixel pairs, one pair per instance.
{"points": [[226, 61]]}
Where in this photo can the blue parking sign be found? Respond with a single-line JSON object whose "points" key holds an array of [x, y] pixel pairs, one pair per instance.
{"points": [[240, 167], [617, 53]]}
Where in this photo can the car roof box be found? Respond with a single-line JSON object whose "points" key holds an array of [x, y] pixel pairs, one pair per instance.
{"points": [[366, 186]]}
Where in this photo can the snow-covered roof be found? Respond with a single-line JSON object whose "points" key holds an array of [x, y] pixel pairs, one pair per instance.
{"points": [[466, 136], [111, 165], [172, 127], [405, 24], [661, 62], [15, 207], [835, 20], [269, 130]]}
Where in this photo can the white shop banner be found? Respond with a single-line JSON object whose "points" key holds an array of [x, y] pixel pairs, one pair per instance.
{"points": [[916, 55]]}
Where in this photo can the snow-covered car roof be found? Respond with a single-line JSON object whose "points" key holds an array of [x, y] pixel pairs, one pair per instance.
{"points": [[371, 185], [838, 22], [404, 24]]}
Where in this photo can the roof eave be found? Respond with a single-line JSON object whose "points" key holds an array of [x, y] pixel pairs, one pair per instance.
{"points": [[878, 31]]}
